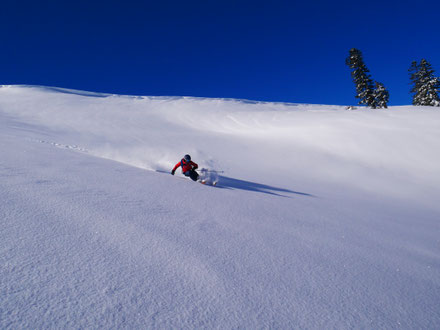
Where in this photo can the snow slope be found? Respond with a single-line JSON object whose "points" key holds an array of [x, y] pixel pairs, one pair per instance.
{"points": [[323, 217]]}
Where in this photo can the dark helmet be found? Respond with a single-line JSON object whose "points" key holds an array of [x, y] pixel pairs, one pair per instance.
{"points": [[187, 158]]}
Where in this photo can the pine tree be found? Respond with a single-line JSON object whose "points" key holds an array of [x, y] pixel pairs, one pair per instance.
{"points": [[425, 84], [361, 78], [382, 96]]}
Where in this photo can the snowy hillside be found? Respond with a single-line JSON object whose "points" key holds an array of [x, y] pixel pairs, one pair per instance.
{"points": [[323, 217]]}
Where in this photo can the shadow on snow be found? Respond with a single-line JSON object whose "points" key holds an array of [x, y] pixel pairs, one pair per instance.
{"points": [[231, 183], [225, 182]]}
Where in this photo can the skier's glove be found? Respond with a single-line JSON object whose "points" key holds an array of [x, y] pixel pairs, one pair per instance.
{"points": [[172, 172]]}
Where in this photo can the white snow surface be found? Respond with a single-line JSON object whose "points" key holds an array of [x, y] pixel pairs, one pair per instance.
{"points": [[323, 218]]}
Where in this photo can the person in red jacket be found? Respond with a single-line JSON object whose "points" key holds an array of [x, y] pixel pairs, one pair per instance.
{"points": [[188, 168]]}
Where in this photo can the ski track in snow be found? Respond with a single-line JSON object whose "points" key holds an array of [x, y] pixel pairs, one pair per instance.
{"points": [[323, 218], [65, 146]]}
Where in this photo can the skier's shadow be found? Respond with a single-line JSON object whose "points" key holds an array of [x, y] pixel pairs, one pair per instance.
{"points": [[231, 183]]}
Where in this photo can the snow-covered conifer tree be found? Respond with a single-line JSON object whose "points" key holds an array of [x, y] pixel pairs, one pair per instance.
{"points": [[382, 96], [425, 84], [361, 78]]}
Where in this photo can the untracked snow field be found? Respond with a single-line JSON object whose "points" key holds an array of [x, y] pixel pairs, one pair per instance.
{"points": [[323, 218]]}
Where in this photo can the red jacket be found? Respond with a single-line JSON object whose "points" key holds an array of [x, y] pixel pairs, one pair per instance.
{"points": [[186, 166]]}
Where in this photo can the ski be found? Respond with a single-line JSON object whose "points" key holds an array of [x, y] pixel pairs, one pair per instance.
{"points": [[209, 183]]}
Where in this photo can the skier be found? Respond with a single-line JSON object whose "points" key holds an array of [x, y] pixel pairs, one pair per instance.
{"points": [[188, 168]]}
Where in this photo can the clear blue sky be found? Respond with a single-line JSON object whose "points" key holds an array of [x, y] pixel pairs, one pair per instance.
{"points": [[291, 51]]}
